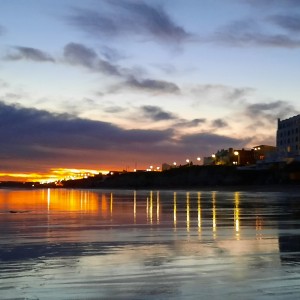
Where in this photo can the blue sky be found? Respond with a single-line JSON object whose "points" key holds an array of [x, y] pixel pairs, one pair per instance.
{"points": [[118, 84]]}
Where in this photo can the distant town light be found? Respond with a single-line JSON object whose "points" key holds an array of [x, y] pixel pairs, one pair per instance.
{"points": [[198, 158], [174, 163], [236, 153], [187, 160], [213, 155]]}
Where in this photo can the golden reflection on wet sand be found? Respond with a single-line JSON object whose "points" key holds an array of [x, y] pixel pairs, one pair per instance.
{"points": [[158, 244], [49, 199]]}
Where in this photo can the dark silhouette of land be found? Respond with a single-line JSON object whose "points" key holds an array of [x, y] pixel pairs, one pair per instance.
{"points": [[275, 176]]}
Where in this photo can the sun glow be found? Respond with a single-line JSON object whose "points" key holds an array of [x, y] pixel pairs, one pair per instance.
{"points": [[55, 174]]}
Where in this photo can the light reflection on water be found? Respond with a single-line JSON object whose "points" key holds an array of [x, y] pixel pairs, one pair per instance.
{"points": [[101, 244]]}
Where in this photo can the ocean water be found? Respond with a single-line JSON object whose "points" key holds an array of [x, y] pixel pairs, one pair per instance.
{"points": [[125, 244]]}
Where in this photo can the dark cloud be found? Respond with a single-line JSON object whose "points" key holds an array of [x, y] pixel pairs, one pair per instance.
{"points": [[78, 54], [34, 141], [66, 131], [288, 22], [210, 143], [28, 53], [38, 136], [271, 110], [190, 123], [156, 113], [121, 18], [248, 33], [157, 86], [219, 123]]}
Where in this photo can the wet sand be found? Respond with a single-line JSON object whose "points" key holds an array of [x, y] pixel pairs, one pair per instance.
{"points": [[102, 244]]}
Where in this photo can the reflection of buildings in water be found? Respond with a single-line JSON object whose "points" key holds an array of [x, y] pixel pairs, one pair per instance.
{"points": [[111, 203], [134, 207], [157, 208], [175, 210], [199, 210], [188, 211], [191, 211], [237, 214], [214, 214], [150, 207], [147, 209]]}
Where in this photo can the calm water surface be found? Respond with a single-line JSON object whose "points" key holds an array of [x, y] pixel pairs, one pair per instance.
{"points": [[101, 244]]}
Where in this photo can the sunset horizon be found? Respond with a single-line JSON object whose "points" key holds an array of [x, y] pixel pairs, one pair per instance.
{"points": [[122, 85]]}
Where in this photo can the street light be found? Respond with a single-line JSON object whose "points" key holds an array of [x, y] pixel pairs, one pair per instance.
{"points": [[236, 153]]}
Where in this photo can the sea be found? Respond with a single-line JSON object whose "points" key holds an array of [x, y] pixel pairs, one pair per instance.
{"points": [[149, 244]]}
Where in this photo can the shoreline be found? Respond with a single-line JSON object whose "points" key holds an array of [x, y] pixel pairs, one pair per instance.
{"points": [[217, 188]]}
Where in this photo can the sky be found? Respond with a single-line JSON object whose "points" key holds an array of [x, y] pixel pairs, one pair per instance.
{"points": [[121, 84]]}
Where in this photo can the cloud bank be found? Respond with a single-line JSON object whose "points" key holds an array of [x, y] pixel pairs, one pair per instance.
{"points": [[36, 140]]}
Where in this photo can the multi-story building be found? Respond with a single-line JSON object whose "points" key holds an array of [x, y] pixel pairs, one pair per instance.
{"points": [[242, 157], [263, 152], [288, 136], [233, 157]]}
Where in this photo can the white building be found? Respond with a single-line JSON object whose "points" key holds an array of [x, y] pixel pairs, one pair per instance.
{"points": [[288, 136]]}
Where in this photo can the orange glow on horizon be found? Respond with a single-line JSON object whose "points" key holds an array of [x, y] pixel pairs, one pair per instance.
{"points": [[55, 174]]}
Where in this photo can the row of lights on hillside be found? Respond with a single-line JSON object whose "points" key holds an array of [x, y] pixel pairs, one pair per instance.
{"points": [[188, 161], [151, 169]]}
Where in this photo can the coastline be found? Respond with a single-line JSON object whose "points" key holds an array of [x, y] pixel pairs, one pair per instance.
{"points": [[205, 178]]}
